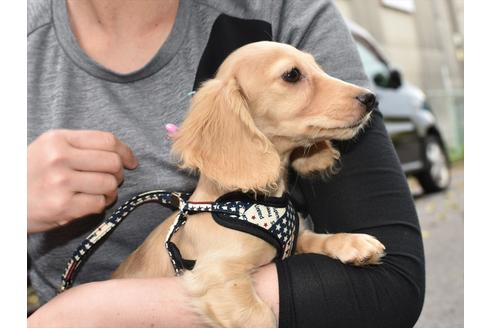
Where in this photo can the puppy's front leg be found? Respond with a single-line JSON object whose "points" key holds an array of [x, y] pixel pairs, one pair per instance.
{"points": [[357, 249], [224, 295]]}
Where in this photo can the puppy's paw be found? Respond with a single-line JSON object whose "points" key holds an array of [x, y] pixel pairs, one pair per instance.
{"points": [[356, 249], [261, 316]]}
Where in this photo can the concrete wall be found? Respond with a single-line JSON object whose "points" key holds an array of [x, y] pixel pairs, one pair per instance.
{"points": [[393, 29], [427, 45], [401, 42]]}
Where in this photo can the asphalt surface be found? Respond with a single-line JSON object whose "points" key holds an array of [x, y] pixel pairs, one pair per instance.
{"points": [[441, 220]]}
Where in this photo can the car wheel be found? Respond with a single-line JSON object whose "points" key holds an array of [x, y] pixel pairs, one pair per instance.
{"points": [[437, 173]]}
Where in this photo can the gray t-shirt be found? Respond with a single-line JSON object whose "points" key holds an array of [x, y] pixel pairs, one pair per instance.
{"points": [[67, 89]]}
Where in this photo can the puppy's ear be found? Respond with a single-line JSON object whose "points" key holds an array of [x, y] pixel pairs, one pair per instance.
{"points": [[320, 157], [221, 140]]}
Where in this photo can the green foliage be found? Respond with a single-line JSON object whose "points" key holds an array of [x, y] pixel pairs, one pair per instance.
{"points": [[456, 154]]}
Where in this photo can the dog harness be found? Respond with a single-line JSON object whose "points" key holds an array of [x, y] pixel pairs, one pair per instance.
{"points": [[272, 219]]}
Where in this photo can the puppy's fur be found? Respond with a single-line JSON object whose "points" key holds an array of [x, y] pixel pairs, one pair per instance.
{"points": [[245, 127]]}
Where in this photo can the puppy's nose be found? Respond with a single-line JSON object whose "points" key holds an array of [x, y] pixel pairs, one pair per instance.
{"points": [[368, 100]]}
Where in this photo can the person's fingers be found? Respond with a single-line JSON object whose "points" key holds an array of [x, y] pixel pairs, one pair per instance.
{"points": [[119, 176], [93, 183], [101, 140], [96, 161], [111, 197], [85, 204]]}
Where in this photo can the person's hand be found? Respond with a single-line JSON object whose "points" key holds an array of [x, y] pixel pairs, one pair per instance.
{"points": [[71, 174]]}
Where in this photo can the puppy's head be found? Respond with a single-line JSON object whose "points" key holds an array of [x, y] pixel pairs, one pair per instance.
{"points": [[266, 100]]}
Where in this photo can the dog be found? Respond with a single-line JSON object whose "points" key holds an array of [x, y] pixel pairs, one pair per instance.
{"points": [[268, 107]]}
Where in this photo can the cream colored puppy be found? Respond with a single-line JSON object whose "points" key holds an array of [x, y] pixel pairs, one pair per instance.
{"points": [[269, 106]]}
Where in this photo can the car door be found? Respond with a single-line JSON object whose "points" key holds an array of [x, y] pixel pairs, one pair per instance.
{"points": [[396, 103]]}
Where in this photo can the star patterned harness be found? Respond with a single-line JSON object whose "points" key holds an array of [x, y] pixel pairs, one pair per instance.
{"points": [[272, 219]]}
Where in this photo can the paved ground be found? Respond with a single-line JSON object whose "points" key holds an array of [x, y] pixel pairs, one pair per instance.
{"points": [[441, 219]]}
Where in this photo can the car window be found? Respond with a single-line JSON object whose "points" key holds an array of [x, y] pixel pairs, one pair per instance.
{"points": [[373, 66]]}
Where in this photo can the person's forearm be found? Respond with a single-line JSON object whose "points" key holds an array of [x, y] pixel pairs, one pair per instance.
{"points": [[160, 302], [266, 285]]}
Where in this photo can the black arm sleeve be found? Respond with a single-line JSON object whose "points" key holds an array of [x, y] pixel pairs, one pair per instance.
{"points": [[369, 195]]}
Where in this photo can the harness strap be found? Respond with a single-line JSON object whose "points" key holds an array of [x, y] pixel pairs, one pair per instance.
{"points": [[185, 208], [167, 199], [172, 249], [275, 222]]}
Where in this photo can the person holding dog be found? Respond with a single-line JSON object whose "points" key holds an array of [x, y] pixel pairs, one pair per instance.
{"points": [[105, 76]]}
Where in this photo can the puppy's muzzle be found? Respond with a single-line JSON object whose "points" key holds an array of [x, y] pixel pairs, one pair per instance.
{"points": [[368, 101]]}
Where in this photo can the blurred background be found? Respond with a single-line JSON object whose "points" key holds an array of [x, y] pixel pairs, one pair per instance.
{"points": [[413, 52], [424, 39]]}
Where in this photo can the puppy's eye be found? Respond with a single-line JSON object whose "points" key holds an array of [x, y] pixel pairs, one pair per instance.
{"points": [[292, 76]]}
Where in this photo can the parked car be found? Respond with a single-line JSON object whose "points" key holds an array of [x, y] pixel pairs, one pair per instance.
{"points": [[408, 118]]}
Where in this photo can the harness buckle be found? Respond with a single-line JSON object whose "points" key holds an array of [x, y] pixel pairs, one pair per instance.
{"points": [[176, 201]]}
